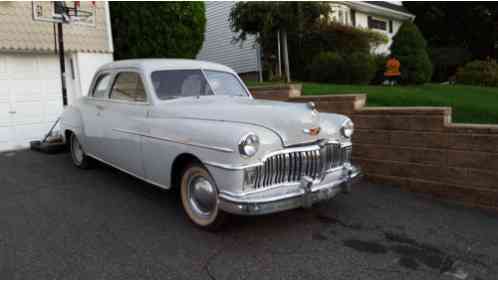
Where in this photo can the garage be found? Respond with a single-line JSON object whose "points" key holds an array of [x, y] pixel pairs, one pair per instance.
{"points": [[30, 99], [30, 82]]}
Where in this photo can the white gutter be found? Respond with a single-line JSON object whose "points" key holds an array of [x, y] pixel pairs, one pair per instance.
{"points": [[386, 10]]}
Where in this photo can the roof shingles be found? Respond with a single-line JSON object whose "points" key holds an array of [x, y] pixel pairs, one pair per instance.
{"points": [[19, 32]]}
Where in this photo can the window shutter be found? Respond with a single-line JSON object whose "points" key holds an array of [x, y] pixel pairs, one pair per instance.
{"points": [[353, 18]]}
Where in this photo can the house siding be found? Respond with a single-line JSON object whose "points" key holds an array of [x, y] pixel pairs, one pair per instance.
{"points": [[20, 33], [218, 43]]}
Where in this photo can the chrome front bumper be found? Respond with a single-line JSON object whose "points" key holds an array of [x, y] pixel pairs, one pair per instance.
{"points": [[291, 196]]}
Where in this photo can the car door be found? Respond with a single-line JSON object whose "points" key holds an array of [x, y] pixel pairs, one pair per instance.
{"points": [[92, 109], [124, 122]]}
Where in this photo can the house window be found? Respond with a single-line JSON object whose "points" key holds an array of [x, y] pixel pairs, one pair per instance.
{"points": [[390, 26], [340, 13], [377, 24]]}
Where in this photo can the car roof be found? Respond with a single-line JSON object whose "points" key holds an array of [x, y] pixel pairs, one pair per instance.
{"points": [[149, 65]]}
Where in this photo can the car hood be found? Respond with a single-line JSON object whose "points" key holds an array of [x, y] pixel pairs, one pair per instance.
{"points": [[289, 121]]}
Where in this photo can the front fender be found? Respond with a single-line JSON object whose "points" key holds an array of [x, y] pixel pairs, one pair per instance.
{"points": [[331, 124], [214, 143]]}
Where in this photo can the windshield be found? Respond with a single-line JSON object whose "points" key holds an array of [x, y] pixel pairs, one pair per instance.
{"points": [[170, 84]]}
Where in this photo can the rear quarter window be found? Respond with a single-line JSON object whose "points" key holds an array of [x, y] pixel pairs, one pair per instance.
{"points": [[101, 86]]}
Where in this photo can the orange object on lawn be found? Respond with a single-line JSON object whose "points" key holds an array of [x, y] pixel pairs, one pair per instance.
{"points": [[392, 67]]}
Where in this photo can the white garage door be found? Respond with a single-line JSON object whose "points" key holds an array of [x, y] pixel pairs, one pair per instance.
{"points": [[30, 98]]}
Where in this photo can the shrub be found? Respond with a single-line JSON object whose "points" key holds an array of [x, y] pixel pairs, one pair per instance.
{"points": [[380, 68], [144, 30], [482, 73], [361, 68], [409, 47], [328, 37], [327, 67], [332, 67], [446, 61]]}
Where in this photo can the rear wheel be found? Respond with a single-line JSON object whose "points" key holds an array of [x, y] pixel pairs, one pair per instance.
{"points": [[80, 159], [200, 198]]}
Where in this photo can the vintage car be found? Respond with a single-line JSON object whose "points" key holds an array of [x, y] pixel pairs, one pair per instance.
{"points": [[194, 126]]}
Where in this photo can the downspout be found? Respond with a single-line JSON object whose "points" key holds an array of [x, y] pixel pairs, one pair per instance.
{"points": [[109, 28]]}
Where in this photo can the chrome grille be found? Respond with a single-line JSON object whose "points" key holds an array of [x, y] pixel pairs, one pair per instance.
{"points": [[292, 165]]}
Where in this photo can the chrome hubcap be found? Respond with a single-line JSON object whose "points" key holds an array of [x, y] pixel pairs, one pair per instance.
{"points": [[77, 150], [202, 196]]}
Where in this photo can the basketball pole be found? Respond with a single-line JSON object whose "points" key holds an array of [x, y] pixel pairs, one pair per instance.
{"points": [[62, 62]]}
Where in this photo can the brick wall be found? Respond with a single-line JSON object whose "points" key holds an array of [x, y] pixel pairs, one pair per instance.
{"points": [[420, 149], [277, 92]]}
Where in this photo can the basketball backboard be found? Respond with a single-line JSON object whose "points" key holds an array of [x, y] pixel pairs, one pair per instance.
{"points": [[71, 12]]}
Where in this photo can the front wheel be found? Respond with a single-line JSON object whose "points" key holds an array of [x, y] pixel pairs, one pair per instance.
{"points": [[200, 198]]}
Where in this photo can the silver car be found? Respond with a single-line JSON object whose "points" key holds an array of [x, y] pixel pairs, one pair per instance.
{"points": [[194, 126]]}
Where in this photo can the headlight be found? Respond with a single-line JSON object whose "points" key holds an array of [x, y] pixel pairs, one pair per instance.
{"points": [[347, 129], [249, 145]]}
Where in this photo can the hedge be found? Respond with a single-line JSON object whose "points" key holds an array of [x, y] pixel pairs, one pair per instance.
{"points": [[333, 67], [328, 37], [481, 73]]}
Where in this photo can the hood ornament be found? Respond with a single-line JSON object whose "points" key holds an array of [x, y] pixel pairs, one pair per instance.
{"points": [[312, 131]]}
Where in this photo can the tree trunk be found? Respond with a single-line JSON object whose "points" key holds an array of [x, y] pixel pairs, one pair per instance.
{"points": [[279, 56], [286, 56]]}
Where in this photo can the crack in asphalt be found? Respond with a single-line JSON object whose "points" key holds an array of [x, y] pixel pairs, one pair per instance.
{"points": [[207, 265]]}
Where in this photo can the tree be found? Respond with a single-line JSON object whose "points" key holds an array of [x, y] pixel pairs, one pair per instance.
{"points": [[410, 48], [266, 19], [146, 30], [457, 32], [468, 25]]}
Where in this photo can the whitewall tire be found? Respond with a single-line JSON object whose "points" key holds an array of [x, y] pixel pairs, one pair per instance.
{"points": [[200, 199], [80, 159]]}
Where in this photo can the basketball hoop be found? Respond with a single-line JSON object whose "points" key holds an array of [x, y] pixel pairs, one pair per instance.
{"points": [[78, 16], [60, 13], [67, 12]]}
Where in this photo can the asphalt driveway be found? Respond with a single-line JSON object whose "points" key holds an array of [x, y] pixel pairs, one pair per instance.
{"points": [[57, 221]]}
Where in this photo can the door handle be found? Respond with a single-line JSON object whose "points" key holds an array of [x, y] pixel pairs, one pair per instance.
{"points": [[100, 107], [12, 112]]}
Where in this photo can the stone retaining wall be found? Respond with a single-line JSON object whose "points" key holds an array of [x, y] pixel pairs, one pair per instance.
{"points": [[419, 148]]}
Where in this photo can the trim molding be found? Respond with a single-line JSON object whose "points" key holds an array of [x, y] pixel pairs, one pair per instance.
{"points": [[185, 142]]}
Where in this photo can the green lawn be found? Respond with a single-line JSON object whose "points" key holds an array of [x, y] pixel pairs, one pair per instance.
{"points": [[470, 104]]}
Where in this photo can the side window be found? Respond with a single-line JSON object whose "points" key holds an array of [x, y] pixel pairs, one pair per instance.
{"points": [[128, 86], [99, 91]]}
